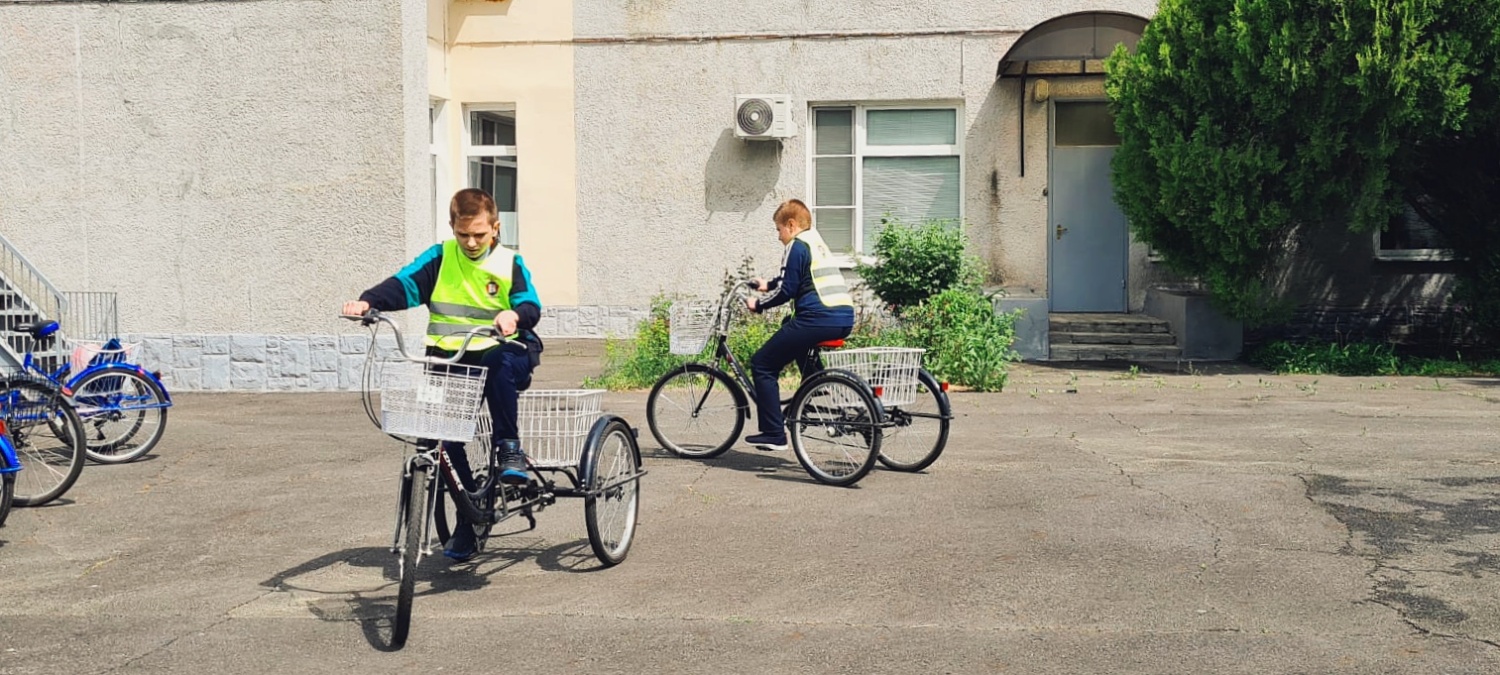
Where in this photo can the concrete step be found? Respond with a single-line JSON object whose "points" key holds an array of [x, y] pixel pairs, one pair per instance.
{"points": [[1106, 323], [1097, 352], [1114, 338]]}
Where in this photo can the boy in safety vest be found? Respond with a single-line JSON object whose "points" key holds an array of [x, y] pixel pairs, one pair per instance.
{"points": [[822, 310], [466, 282]]}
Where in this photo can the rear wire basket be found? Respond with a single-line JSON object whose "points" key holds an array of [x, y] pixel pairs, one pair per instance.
{"points": [[690, 325], [85, 353], [437, 401], [554, 424], [890, 371]]}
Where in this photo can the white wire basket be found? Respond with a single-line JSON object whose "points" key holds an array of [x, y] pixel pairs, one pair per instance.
{"points": [[84, 353], [890, 371], [690, 325], [554, 423], [430, 401]]}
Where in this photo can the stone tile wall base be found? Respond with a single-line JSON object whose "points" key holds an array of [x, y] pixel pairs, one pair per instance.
{"points": [[257, 362]]}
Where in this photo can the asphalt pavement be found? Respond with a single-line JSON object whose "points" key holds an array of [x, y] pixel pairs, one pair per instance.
{"points": [[1086, 520]]}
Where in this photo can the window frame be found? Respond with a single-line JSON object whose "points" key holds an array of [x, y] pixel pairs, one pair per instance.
{"points": [[1410, 254], [501, 152], [862, 149], [439, 154]]}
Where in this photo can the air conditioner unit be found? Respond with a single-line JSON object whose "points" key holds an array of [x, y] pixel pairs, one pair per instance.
{"points": [[763, 117]]}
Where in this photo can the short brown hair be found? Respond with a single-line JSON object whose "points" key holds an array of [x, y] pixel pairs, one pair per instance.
{"points": [[795, 211], [468, 203]]}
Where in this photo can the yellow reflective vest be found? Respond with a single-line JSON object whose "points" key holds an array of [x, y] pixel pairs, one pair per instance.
{"points": [[468, 293], [828, 281]]}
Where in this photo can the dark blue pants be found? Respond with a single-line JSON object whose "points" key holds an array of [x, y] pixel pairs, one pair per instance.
{"points": [[792, 342], [508, 374]]}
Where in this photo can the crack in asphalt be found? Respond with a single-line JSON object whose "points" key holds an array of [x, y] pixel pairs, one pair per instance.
{"points": [[1213, 529], [1385, 589], [227, 617]]}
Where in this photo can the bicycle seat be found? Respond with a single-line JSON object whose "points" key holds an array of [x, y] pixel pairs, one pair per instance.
{"points": [[831, 344], [38, 330]]}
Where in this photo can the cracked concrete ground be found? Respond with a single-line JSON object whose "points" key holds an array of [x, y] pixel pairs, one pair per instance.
{"points": [[1082, 521]]}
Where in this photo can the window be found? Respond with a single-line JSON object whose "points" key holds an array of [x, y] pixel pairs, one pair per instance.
{"points": [[872, 161], [1409, 237], [490, 151], [437, 139]]}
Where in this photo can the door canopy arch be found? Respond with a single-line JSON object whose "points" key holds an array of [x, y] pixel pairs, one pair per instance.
{"points": [[1068, 45]]}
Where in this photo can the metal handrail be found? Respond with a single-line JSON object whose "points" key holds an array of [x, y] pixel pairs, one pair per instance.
{"points": [[38, 281], [25, 288]]}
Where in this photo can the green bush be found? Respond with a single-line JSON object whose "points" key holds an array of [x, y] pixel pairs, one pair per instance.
{"points": [[967, 343], [637, 362], [915, 262]]}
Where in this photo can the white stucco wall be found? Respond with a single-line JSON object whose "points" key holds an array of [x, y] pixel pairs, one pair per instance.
{"points": [[226, 167], [232, 170], [669, 198]]}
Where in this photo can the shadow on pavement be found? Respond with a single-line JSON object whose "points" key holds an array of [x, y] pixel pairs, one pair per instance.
{"points": [[373, 604]]}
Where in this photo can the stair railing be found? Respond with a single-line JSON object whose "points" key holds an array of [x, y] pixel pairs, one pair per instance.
{"points": [[25, 296]]}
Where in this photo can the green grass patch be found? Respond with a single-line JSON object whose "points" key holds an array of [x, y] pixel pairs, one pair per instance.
{"points": [[1315, 357]]}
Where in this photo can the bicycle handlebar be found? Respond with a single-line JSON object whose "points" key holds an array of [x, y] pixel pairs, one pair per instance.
{"points": [[375, 316]]}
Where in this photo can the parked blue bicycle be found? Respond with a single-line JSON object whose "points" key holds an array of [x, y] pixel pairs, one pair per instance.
{"points": [[41, 442], [123, 406]]}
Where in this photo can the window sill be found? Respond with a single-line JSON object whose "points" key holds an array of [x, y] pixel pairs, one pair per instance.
{"points": [[1416, 255], [850, 262]]}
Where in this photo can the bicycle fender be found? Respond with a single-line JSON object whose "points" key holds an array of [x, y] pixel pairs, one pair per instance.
{"points": [[857, 381], [138, 370]]}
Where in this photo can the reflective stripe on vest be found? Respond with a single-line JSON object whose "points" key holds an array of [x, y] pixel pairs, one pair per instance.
{"points": [[828, 281], [468, 294]]}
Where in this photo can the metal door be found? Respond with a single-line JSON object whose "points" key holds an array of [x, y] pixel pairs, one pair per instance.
{"points": [[1088, 236]]}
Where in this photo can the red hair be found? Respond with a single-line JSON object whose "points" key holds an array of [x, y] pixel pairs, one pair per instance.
{"points": [[795, 211]]}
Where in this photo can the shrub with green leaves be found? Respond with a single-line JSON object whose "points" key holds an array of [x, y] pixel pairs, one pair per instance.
{"points": [[1248, 124], [915, 262], [637, 362], [967, 343]]}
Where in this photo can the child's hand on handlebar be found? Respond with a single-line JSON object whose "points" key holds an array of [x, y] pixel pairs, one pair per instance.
{"points": [[506, 322], [751, 303], [759, 284], [356, 308]]}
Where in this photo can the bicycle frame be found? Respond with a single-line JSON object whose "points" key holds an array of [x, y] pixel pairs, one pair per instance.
{"points": [[9, 461], [722, 354]]}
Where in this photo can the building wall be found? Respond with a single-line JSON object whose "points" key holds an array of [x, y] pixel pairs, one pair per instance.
{"points": [[228, 168], [518, 53], [669, 198]]}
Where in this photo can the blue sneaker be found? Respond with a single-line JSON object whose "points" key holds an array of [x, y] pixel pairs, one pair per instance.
{"points": [[767, 441], [458, 551], [514, 469]]}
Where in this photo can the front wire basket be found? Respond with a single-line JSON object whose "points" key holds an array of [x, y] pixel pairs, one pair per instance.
{"points": [[690, 325], [426, 400]]}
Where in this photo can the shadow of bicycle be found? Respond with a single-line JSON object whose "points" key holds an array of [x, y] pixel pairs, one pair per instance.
{"points": [[337, 586]]}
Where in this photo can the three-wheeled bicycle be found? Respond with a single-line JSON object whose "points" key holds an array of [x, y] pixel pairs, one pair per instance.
{"points": [[861, 405], [574, 450]]}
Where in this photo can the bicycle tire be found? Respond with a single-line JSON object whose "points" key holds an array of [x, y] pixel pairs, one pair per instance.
{"points": [[691, 378], [611, 458], [413, 519], [7, 494], [49, 440], [840, 408], [905, 419], [123, 407]]}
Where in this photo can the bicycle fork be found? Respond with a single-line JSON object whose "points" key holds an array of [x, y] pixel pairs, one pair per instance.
{"points": [[419, 460]]}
